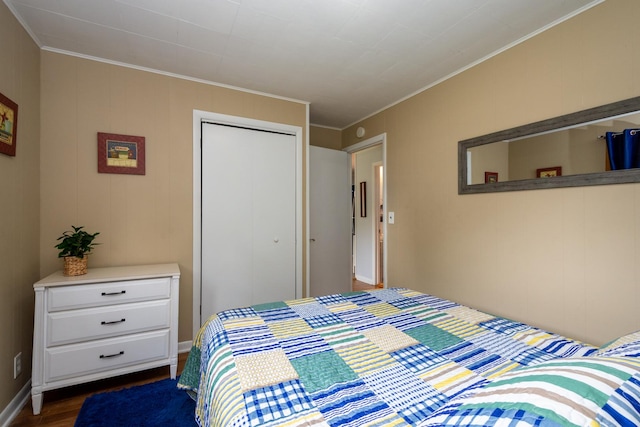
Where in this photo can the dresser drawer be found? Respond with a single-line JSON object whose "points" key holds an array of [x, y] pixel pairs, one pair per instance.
{"points": [[100, 294], [98, 356], [66, 327]]}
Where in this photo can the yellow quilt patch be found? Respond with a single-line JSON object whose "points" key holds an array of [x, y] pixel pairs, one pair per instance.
{"points": [[469, 314], [459, 328], [364, 357], [342, 306], [262, 369], [243, 322], [301, 301], [290, 328], [389, 339], [382, 310]]}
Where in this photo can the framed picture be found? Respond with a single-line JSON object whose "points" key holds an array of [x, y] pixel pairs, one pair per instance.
{"points": [[8, 126], [363, 199], [121, 154], [549, 172], [490, 177]]}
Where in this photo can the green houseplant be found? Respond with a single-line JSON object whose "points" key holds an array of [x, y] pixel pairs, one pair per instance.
{"points": [[74, 247]]}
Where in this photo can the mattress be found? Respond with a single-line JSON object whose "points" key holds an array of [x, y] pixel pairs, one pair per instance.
{"points": [[395, 357]]}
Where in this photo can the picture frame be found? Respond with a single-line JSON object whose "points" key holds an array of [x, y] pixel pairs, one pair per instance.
{"points": [[121, 154], [490, 177], [549, 172], [8, 126], [363, 199]]}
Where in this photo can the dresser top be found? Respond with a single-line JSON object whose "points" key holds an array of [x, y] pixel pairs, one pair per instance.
{"points": [[111, 274]]}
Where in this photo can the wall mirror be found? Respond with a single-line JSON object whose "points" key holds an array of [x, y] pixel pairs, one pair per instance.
{"points": [[566, 151]]}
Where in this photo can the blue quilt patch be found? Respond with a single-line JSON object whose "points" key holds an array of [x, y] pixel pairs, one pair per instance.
{"points": [[275, 402]]}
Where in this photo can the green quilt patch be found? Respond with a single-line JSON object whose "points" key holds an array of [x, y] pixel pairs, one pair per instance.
{"points": [[433, 337], [190, 376], [269, 306], [321, 370]]}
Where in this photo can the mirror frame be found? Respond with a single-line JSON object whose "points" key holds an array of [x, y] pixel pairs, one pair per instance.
{"points": [[544, 126]]}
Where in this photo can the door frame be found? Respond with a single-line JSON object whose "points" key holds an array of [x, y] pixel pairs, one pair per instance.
{"points": [[352, 149], [198, 117], [377, 166]]}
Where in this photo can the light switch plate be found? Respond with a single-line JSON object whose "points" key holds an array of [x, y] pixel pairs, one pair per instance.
{"points": [[17, 365], [392, 217]]}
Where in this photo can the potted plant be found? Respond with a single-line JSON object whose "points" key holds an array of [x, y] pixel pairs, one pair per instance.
{"points": [[74, 247]]}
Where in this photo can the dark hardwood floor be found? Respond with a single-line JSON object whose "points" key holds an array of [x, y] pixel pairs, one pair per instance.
{"points": [[61, 407]]}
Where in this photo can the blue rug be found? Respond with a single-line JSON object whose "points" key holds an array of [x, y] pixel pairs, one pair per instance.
{"points": [[156, 404]]}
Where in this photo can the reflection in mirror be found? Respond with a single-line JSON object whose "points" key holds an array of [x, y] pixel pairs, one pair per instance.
{"points": [[578, 150], [571, 150]]}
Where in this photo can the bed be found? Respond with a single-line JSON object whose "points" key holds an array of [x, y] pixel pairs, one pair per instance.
{"points": [[397, 357]]}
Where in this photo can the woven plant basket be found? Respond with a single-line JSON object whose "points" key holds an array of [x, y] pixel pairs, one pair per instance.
{"points": [[74, 266]]}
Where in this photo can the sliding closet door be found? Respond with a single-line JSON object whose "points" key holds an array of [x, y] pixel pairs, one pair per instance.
{"points": [[248, 217]]}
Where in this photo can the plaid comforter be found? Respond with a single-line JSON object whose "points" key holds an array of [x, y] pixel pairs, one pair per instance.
{"points": [[386, 357]]}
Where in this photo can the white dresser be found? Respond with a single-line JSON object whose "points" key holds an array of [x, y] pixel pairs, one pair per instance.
{"points": [[110, 321]]}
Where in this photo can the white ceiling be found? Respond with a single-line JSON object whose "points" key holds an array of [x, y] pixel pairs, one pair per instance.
{"points": [[347, 58]]}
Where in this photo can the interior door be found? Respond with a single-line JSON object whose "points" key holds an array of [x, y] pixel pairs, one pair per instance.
{"points": [[329, 221], [248, 217]]}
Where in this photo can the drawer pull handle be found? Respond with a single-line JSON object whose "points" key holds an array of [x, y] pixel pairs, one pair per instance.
{"points": [[107, 356], [113, 322], [106, 294]]}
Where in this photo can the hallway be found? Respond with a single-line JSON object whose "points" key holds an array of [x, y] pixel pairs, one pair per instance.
{"points": [[357, 285]]}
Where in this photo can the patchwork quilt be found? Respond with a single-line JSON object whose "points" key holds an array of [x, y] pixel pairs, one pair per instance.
{"points": [[391, 357]]}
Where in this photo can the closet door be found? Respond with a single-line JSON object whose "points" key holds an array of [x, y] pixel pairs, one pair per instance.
{"points": [[248, 217]]}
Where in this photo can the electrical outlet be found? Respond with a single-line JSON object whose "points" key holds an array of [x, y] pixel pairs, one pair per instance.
{"points": [[17, 365]]}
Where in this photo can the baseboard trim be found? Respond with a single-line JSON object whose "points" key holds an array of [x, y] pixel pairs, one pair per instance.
{"points": [[15, 406], [184, 346]]}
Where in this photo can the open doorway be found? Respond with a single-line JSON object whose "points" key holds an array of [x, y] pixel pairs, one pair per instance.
{"points": [[368, 213]]}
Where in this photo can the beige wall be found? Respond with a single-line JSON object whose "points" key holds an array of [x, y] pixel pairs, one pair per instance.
{"points": [[562, 259], [142, 219], [19, 204], [490, 158], [575, 150], [528, 155], [325, 137]]}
